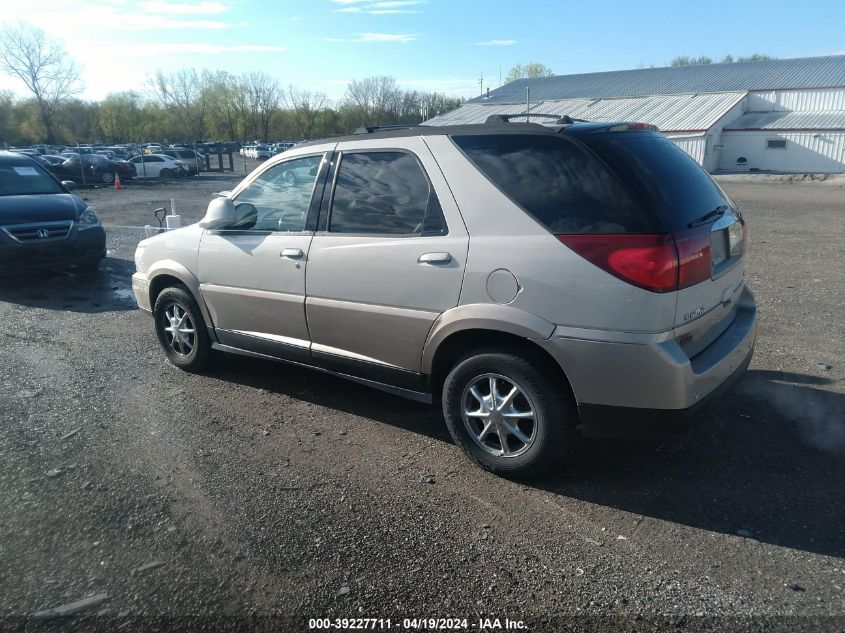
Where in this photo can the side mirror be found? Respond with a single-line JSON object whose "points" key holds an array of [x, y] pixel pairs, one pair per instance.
{"points": [[69, 185], [221, 213]]}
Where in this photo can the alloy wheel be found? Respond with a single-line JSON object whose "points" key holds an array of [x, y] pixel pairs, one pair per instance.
{"points": [[498, 415], [179, 331]]}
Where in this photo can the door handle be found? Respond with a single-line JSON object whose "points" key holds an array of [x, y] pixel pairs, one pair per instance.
{"points": [[292, 253], [435, 258]]}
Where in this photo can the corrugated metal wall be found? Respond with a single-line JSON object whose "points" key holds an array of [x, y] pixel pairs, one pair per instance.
{"points": [[695, 146], [680, 113], [796, 100], [822, 152]]}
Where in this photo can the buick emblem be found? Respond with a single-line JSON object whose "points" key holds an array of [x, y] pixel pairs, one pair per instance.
{"points": [[42, 233]]}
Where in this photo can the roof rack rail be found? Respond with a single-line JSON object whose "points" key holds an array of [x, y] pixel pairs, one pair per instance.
{"points": [[561, 120], [370, 129]]}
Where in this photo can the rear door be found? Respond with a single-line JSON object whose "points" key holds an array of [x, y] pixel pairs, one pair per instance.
{"points": [[388, 258]]}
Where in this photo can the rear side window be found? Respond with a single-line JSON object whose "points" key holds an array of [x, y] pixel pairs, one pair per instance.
{"points": [[664, 178], [384, 193], [558, 181]]}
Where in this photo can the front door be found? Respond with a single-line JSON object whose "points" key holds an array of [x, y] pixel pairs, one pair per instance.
{"points": [[252, 274], [387, 261]]}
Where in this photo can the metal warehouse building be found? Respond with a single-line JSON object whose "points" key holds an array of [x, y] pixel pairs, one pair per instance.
{"points": [[785, 115]]}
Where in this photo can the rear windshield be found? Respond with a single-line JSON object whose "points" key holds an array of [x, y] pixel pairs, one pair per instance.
{"points": [[663, 177], [558, 181], [24, 177]]}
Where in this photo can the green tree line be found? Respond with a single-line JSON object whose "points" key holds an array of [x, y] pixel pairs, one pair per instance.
{"points": [[686, 60], [215, 105]]}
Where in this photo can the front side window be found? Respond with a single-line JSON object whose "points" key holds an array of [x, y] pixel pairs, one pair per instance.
{"points": [[279, 198], [384, 193]]}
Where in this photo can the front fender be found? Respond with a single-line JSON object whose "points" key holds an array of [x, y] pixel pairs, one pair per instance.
{"points": [[483, 316], [173, 268]]}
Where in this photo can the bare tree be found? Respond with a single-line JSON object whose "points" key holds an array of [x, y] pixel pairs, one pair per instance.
{"points": [[374, 98], [224, 98], [532, 70], [264, 96], [306, 108], [183, 95], [7, 117], [43, 65], [122, 117]]}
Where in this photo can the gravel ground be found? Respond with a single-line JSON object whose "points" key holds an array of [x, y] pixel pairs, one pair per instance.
{"points": [[257, 496]]}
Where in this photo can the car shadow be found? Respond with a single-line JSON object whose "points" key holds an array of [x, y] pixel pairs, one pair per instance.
{"points": [[769, 462], [332, 392], [109, 289]]}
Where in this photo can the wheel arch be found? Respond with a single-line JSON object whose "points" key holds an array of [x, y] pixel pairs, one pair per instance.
{"points": [[170, 273], [466, 327]]}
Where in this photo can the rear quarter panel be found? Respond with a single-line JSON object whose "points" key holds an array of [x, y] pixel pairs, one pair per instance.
{"points": [[555, 283]]}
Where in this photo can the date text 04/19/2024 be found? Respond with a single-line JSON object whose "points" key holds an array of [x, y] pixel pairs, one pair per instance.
{"points": [[417, 624]]}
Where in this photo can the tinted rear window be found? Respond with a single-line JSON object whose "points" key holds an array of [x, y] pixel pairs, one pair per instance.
{"points": [[557, 181], [663, 177]]}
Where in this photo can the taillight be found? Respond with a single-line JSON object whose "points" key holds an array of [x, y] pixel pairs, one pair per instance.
{"points": [[694, 260], [627, 127], [663, 262], [647, 261]]}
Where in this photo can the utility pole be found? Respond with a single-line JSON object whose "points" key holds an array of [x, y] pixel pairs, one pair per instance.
{"points": [[481, 84]]}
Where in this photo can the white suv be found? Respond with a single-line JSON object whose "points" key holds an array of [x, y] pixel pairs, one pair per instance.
{"points": [[532, 279]]}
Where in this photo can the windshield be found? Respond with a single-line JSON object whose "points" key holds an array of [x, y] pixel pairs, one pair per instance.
{"points": [[25, 178]]}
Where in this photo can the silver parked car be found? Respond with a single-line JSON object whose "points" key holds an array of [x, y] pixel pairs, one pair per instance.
{"points": [[535, 279]]}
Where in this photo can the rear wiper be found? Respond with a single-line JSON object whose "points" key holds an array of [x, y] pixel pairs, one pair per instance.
{"points": [[718, 212]]}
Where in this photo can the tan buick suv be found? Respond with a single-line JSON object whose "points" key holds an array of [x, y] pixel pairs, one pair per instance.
{"points": [[535, 279]]}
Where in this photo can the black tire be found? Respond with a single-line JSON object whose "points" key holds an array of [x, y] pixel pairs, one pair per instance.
{"points": [[191, 358], [107, 177], [553, 424], [165, 173]]}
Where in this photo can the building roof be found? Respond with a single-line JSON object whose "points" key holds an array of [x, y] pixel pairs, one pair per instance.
{"points": [[670, 113], [819, 120], [783, 74]]}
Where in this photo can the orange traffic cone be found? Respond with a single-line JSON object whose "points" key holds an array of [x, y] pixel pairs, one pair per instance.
{"points": [[117, 184]]}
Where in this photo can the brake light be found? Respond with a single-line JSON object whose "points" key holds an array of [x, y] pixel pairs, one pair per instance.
{"points": [[663, 262], [626, 127], [647, 261], [694, 258]]}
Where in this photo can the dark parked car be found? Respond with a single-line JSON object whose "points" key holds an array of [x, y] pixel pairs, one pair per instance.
{"points": [[98, 169], [52, 159], [41, 222]]}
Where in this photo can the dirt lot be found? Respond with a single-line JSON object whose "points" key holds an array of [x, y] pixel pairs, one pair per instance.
{"points": [[259, 496]]}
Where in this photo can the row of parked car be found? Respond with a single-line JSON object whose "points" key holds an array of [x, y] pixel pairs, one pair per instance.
{"points": [[265, 151], [101, 164]]}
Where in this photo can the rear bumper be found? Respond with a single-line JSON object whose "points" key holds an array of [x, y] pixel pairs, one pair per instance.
{"points": [[629, 380], [602, 421], [79, 246]]}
